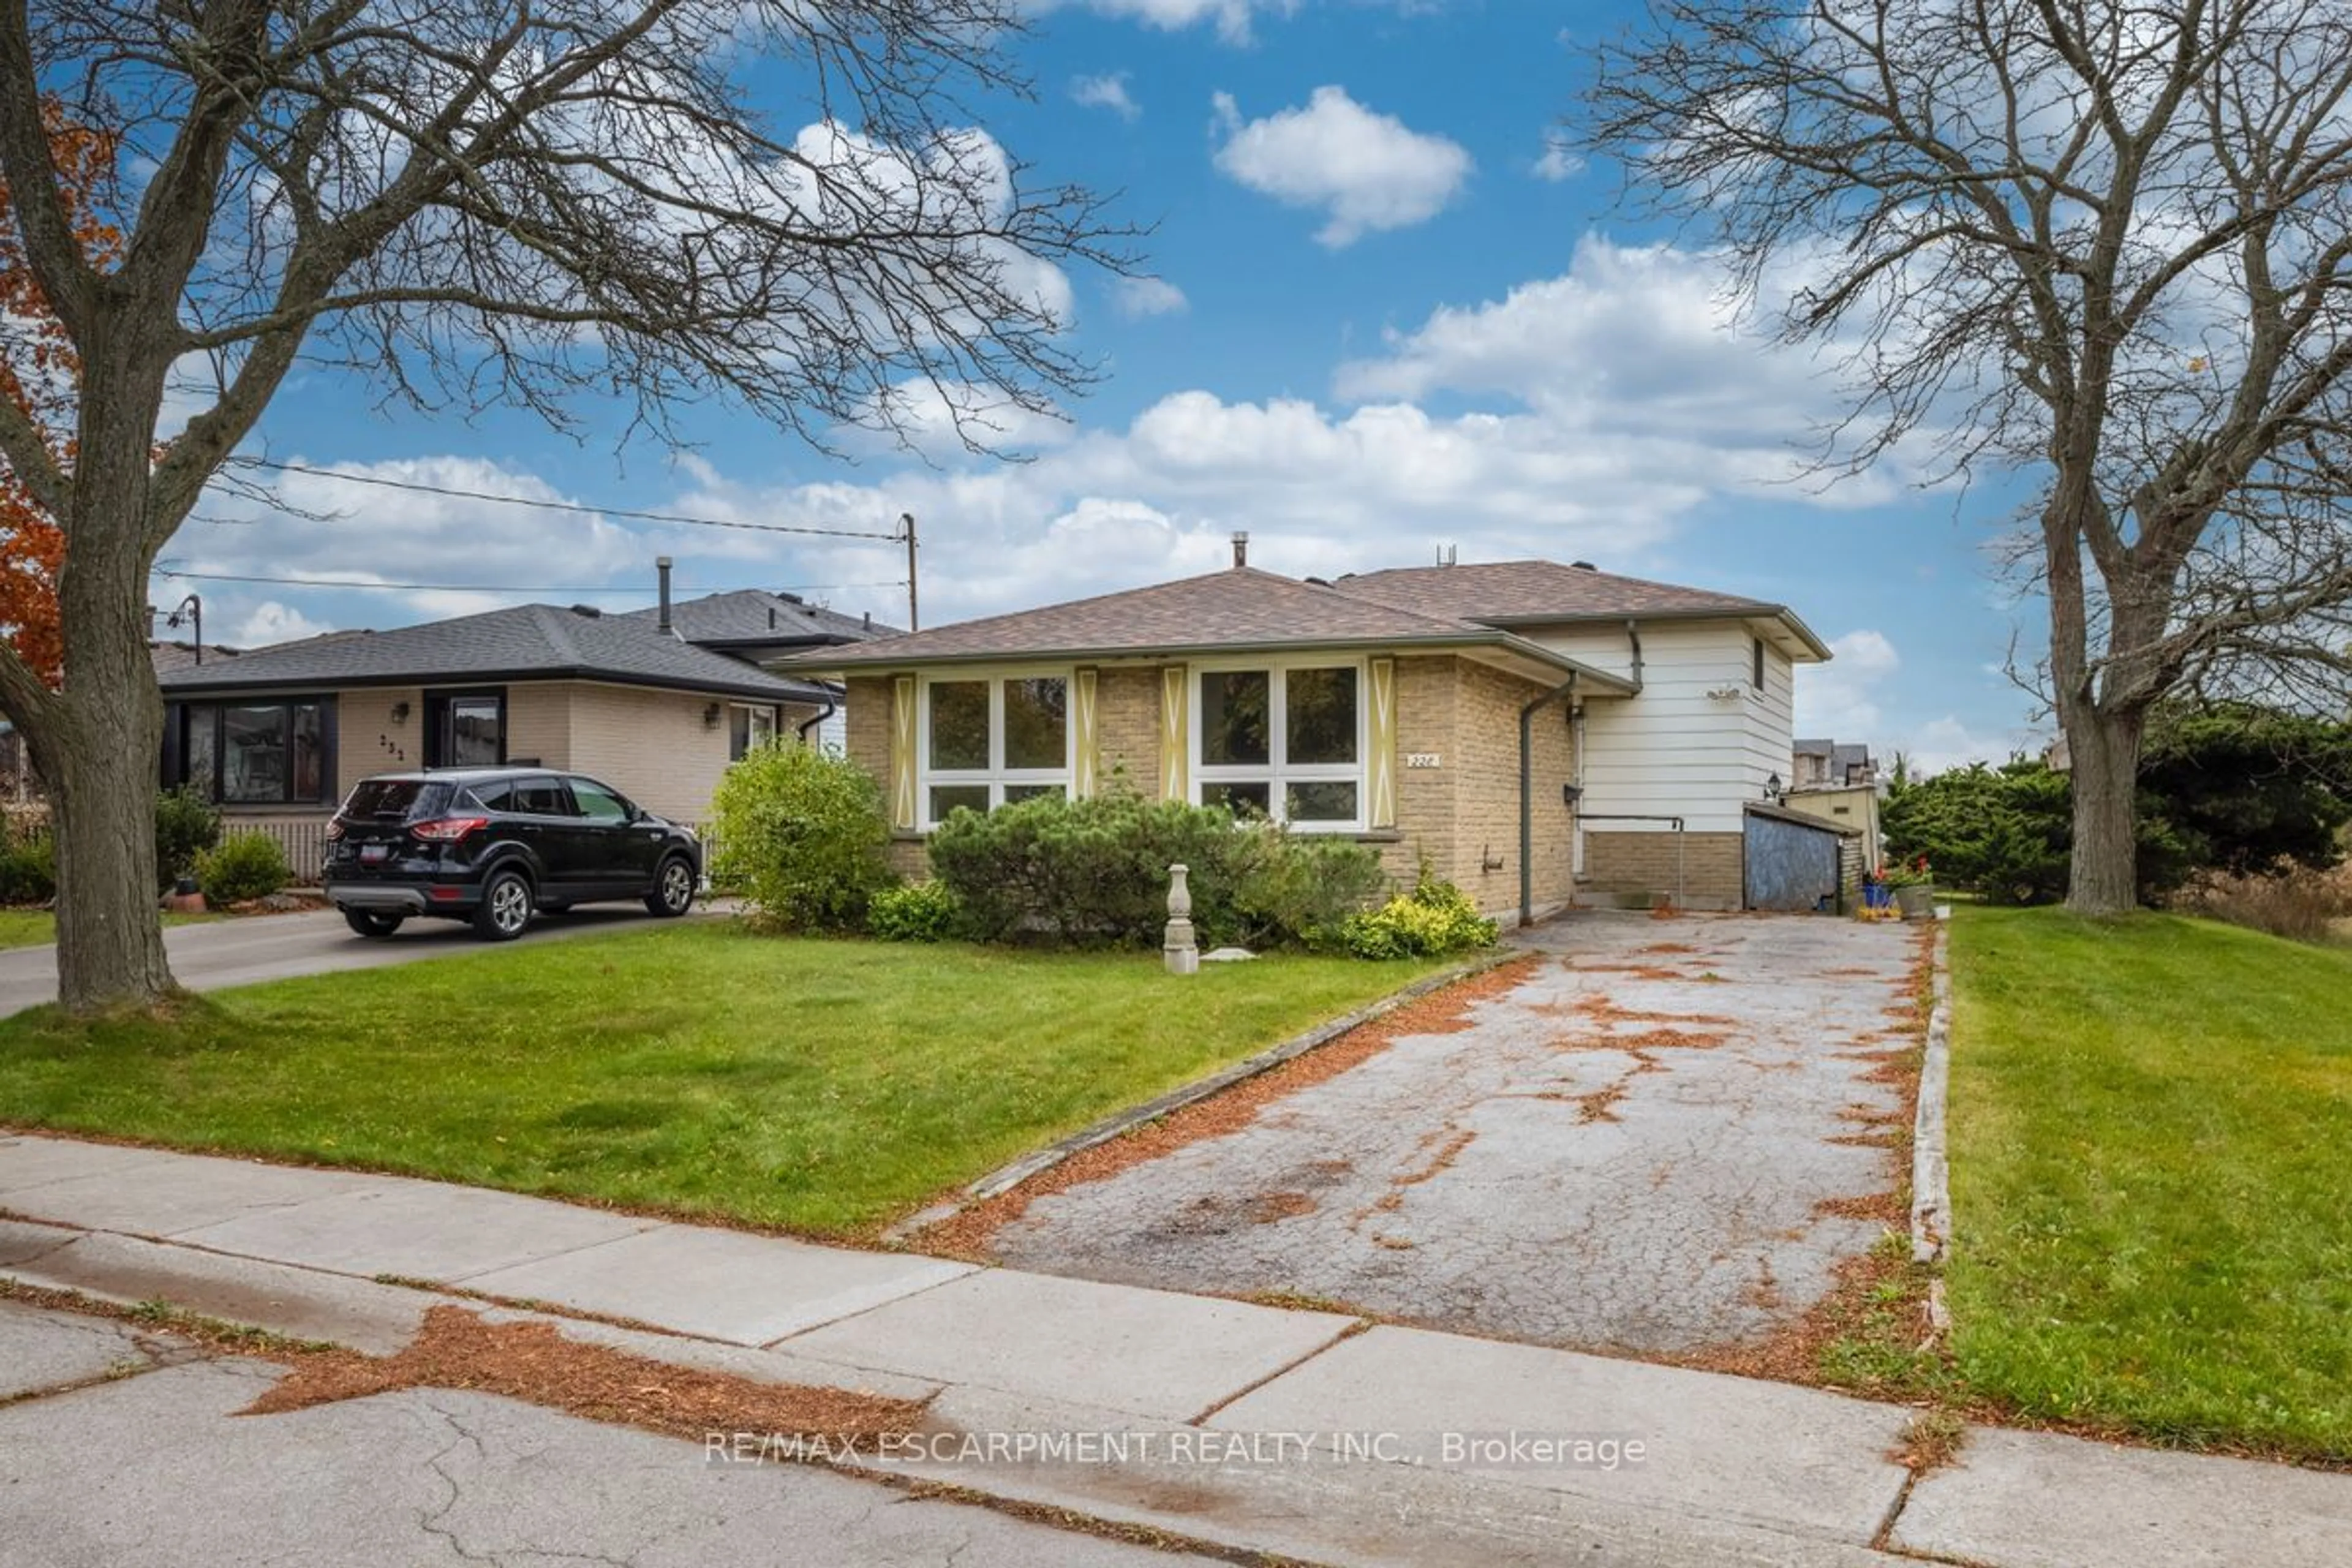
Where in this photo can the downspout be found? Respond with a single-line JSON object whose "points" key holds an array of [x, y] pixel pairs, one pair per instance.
{"points": [[1527, 795], [831, 708], [1633, 636]]}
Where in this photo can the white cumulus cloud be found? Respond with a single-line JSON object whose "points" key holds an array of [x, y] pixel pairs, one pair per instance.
{"points": [[1840, 699], [1106, 91], [1365, 171], [1557, 163], [272, 622], [1139, 297]]}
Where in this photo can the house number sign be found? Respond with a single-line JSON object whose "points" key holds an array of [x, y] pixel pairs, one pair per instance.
{"points": [[1421, 759]]}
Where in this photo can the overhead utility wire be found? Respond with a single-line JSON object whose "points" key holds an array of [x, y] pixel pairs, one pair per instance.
{"points": [[480, 587], [633, 516]]}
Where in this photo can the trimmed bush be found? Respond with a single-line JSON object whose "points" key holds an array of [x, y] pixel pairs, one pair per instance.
{"points": [[1095, 873], [799, 831], [1435, 920], [915, 911], [28, 867], [245, 867], [186, 825]]}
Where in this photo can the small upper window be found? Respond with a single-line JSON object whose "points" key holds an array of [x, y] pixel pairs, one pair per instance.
{"points": [[1757, 656]]}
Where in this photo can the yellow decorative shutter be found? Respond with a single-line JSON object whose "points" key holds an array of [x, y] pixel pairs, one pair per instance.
{"points": [[1082, 734], [1175, 734], [1379, 764], [903, 815]]}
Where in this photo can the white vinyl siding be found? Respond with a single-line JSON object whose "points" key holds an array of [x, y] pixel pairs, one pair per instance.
{"points": [[1676, 750]]}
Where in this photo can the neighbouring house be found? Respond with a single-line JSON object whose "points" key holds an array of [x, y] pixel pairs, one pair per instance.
{"points": [[279, 735], [1837, 784], [1535, 733]]}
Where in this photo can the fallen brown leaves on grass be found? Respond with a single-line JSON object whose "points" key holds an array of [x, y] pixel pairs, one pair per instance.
{"points": [[533, 1362], [966, 1234]]}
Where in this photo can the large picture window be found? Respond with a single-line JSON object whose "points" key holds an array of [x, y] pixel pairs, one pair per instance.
{"points": [[269, 752], [1284, 741], [988, 739]]}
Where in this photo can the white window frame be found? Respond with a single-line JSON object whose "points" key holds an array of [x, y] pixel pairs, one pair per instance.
{"points": [[1276, 772], [752, 738], [995, 775]]}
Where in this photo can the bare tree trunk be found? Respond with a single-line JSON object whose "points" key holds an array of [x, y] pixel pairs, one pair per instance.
{"points": [[2105, 749], [99, 743]]}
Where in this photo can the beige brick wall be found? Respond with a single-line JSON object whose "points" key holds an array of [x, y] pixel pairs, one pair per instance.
{"points": [[653, 746], [368, 740], [539, 723], [868, 710], [1470, 802], [1459, 814], [1127, 728], [1714, 865]]}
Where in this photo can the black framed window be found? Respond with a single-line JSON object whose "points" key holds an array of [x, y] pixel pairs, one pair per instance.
{"points": [[265, 752], [466, 728], [1757, 658]]}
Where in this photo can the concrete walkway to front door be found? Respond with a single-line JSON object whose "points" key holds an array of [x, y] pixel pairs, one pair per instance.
{"points": [[1661, 1142]]}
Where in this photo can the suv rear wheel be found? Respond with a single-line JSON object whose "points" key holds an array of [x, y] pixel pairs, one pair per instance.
{"points": [[371, 922], [673, 892], [505, 910]]}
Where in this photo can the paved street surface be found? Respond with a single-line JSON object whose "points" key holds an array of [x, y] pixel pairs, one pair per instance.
{"points": [[1306, 1434], [1630, 1152], [216, 954], [151, 1464]]}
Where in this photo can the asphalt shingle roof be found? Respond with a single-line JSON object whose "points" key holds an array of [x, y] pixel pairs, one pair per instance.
{"points": [[527, 642], [1528, 591], [1242, 607], [1247, 609], [754, 615]]}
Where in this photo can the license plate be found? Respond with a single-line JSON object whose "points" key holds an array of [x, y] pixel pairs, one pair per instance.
{"points": [[371, 854]]}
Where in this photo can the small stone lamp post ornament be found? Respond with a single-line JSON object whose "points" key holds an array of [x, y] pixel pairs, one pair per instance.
{"points": [[1182, 952]]}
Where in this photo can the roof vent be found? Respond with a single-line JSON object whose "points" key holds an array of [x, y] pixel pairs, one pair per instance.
{"points": [[1241, 547], [1584, 566], [590, 611], [792, 598]]}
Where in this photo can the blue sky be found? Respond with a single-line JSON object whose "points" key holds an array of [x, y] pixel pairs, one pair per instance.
{"points": [[1379, 322]]}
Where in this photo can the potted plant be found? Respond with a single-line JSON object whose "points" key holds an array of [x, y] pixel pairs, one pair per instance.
{"points": [[1914, 888]]}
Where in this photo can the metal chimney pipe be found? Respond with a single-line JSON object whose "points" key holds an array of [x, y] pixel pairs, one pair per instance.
{"points": [[1241, 547], [661, 570]]}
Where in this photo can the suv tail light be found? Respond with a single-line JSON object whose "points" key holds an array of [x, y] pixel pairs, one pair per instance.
{"points": [[447, 829]]}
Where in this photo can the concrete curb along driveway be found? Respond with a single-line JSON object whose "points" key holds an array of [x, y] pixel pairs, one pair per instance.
{"points": [[1732, 1470]]}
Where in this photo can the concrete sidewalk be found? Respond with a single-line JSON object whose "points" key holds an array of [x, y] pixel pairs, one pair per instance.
{"points": [[1306, 1434]]}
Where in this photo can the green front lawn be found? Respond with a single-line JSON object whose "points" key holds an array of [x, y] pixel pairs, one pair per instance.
{"points": [[2151, 1120], [819, 1086], [39, 928]]}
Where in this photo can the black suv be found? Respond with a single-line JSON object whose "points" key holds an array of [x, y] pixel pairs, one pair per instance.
{"points": [[492, 845]]}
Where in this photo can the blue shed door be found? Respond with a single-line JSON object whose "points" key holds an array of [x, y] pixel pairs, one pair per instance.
{"points": [[1791, 865]]}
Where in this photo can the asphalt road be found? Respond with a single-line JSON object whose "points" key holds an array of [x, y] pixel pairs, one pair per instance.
{"points": [[216, 954]]}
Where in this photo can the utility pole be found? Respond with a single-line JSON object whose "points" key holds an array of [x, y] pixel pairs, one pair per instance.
{"points": [[906, 521]]}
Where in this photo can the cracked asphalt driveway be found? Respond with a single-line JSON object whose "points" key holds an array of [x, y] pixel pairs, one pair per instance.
{"points": [[1663, 1141]]}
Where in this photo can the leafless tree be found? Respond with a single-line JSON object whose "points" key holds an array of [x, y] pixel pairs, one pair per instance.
{"points": [[2108, 246], [461, 202]]}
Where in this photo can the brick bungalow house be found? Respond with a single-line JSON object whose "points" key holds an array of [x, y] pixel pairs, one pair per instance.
{"points": [[1537, 732], [656, 702]]}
